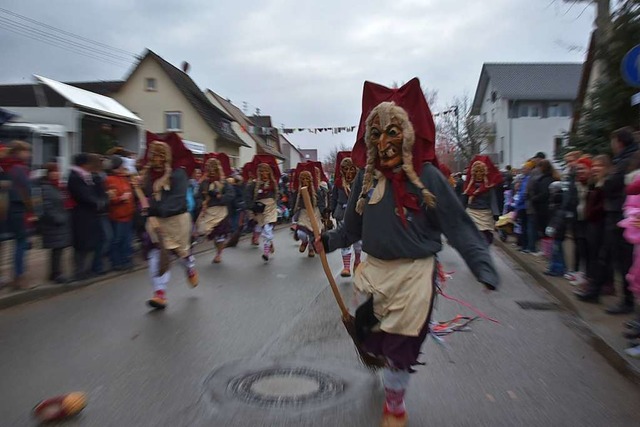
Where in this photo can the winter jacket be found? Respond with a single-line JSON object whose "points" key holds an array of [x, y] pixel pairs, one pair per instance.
{"points": [[572, 196], [173, 201], [238, 203], [521, 197], [614, 184], [194, 187], [557, 213], [539, 194], [339, 200], [85, 223], [384, 235], [191, 200], [55, 221], [5, 185], [594, 210], [485, 201], [534, 175], [100, 187], [210, 195], [122, 204], [20, 190]]}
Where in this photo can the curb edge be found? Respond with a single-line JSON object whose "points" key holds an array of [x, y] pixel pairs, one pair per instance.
{"points": [[614, 357]]}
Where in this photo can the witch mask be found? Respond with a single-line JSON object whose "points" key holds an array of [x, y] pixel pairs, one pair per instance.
{"points": [[305, 179], [348, 170], [479, 171], [386, 132], [214, 169], [265, 172]]}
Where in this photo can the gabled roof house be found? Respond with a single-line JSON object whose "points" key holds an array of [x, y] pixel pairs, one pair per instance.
{"points": [[527, 108]]}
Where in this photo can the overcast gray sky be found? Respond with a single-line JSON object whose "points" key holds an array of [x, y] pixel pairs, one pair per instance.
{"points": [[302, 62]]}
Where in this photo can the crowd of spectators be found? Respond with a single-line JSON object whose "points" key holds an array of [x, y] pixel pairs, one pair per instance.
{"points": [[94, 211], [589, 207]]}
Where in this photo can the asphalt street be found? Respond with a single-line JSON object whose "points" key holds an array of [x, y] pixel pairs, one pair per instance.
{"points": [[144, 368]]}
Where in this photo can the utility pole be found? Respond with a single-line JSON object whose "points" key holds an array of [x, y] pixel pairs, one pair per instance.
{"points": [[602, 30]]}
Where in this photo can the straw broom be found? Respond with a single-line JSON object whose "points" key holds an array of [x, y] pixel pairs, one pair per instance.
{"points": [[348, 320]]}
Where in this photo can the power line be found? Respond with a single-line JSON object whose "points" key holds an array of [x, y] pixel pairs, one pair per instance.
{"points": [[70, 49], [51, 27], [566, 12], [41, 33], [583, 11]]}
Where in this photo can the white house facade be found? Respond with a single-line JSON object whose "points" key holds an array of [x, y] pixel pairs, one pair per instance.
{"points": [[292, 155], [527, 108]]}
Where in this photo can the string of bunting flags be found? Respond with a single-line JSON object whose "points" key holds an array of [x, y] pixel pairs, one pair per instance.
{"points": [[261, 130], [257, 130]]}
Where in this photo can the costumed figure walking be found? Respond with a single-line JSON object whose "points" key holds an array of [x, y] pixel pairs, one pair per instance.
{"points": [[249, 176], [217, 194], [164, 183], [265, 194], [480, 190], [346, 173], [324, 195], [306, 177], [400, 207]]}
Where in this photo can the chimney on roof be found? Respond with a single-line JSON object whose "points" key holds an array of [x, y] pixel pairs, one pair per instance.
{"points": [[185, 67]]}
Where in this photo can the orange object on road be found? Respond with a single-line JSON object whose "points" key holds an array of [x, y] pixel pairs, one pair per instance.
{"points": [[60, 407]]}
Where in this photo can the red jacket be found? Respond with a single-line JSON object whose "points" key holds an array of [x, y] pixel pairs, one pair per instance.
{"points": [[122, 203]]}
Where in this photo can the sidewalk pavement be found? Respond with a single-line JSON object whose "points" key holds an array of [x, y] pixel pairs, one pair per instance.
{"points": [[37, 271], [603, 331]]}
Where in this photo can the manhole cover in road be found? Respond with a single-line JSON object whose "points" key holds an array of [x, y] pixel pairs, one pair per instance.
{"points": [[284, 387], [536, 305]]}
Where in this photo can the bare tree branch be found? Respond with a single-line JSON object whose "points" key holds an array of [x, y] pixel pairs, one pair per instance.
{"points": [[460, 136], [329, 162]]}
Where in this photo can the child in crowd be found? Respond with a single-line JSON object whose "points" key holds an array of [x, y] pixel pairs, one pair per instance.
{"points": [[557, 228], [121, 212], [631, 225]]}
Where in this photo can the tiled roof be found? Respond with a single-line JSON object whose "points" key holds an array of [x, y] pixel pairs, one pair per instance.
{"points": [[265, 122], [529, 81], [244, 121], [214, 117], [25, 96]]}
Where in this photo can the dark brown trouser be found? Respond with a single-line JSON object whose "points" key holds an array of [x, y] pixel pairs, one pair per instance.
{"points": [[581, 248], [617, 252], [56, 263]]}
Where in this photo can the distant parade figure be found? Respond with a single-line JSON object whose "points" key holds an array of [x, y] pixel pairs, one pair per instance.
{"points": [[265, 195], [249, 177], [306, 176], [483, 178], [400, 206], [324, 195], [346, 173], [164, 184], [217, 194]]}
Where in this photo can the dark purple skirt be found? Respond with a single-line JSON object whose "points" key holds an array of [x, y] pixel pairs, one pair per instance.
{"points": [[222, 230], [401, 351]]}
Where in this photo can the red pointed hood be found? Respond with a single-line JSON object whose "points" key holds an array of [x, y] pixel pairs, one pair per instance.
{"points": [[411, 98]]}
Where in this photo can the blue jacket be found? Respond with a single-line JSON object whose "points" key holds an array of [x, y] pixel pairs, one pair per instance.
{"points": [[522, 194]]}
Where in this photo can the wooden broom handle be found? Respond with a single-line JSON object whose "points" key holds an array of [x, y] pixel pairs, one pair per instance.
{"points": [[323, 256]]}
